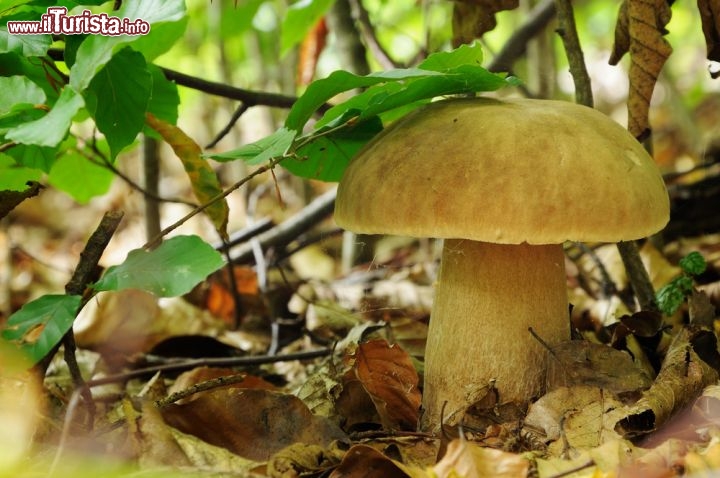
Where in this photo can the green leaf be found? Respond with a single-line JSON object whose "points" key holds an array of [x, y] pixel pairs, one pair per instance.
{"points": [[161, 38], [693, 264], [97, 50], [14, 177], [164, 99], [35, 157], [269, 147], [78, 176], [669, 298], [18, 89], [51, 128], [202, 177], [446, 60], [40, 325], [320, 91], [326, 157], [172, 269], [300, 18], [118, 97], [26, 45]]}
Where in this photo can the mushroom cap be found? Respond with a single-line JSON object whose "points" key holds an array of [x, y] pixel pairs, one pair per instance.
{"points": [[510, 171]]}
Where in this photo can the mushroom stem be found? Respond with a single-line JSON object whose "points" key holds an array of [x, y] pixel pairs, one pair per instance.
{"points": [[486, 298]]}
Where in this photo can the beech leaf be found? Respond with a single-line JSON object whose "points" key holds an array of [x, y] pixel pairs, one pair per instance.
{"points": [[387, 374], [640, 28], [204, 181]]}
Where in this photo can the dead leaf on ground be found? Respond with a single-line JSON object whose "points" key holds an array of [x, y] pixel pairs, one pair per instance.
{"points": [[253, 423], [577, 418], [473, 18], [300, 458], [640, 28], [579, 362], [363, 461], [387, 374], [685, 372], [471, 461]]}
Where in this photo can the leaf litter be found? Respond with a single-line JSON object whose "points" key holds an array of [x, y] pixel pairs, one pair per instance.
{"points": [[631, 397]]}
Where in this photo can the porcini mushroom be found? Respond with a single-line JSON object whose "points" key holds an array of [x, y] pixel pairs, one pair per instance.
{"points": [[505, 183]]}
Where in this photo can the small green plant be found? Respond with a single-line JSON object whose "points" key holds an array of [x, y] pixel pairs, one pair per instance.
{"points": [[671, 296]]}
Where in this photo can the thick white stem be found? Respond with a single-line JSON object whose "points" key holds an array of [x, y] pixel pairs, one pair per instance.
{"points": [[486, 298]]}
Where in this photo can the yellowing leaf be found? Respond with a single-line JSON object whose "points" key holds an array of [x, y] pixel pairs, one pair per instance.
{"points": [[640, 29], [204, 181]]}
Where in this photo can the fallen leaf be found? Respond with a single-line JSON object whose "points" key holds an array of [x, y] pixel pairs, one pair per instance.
{"points": [[300, 458], [252, 423], [683, 376], [579, 362], [578, 418], [363, 461], [387, 374], [640, 28], [471, 461], [472, 18]]}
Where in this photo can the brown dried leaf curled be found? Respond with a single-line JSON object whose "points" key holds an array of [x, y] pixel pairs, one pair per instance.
{"points": [[389, 377], [683, 376], [472, 18], [639, 30], [710, 17]]}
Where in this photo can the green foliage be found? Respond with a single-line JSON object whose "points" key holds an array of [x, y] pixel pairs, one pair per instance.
{"points": [[40, 325], [172, 269], [343, 129], [672, 295]]}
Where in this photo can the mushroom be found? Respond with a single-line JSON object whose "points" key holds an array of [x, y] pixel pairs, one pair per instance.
{"points": [[505, 183]]}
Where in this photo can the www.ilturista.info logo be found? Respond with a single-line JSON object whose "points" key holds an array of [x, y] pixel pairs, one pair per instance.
{"points": [[57, 22]]}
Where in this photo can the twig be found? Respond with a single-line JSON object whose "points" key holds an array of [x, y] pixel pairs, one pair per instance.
{"points": [[576, 59], [637, 275], [234, 119], [151, 175], [262, 169], [368, 33], [210, 362], [201, 387], [513, 49], [248, 97], [285, 232]]}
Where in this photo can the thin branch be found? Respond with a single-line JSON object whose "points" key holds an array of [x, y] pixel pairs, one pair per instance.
{"points": [[179, 366], [249, 97], [241, 109], [536, 21], [576, 59], [368, 33], [262, 169], [285, 232]]}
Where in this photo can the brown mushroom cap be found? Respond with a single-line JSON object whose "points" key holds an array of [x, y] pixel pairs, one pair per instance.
{"points": [[508, 172]]}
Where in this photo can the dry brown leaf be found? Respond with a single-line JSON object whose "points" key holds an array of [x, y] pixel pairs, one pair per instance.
{"points": [[471, 461], [579, 362], [576, 417], [203, 374], [710, 17], [639, 30], [683, 376], [253, 423], [472, 18], [387, 374], [362, 461]]}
